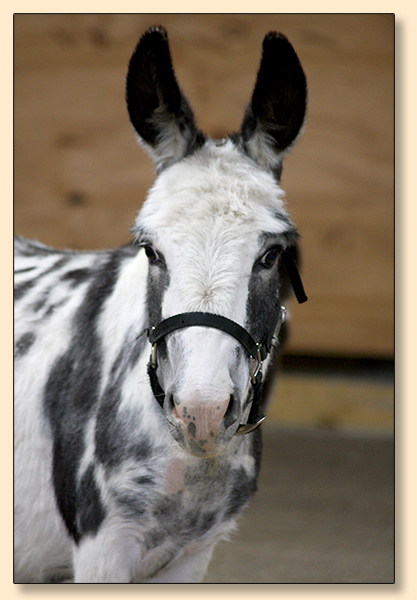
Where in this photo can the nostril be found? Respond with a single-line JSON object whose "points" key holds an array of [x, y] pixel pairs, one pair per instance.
{"points": [[230, 415]]}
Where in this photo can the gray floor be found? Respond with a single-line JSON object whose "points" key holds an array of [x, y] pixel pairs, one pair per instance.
{"points": [[324, 513]]}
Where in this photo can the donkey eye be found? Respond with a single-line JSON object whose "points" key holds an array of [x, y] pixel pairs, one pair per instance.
{"points": [[269, 258], [151, 253]]}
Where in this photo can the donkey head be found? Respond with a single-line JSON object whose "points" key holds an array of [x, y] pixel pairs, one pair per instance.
{"points": [[215, 230]]}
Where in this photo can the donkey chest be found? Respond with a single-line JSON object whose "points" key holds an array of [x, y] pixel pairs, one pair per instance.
{"points": [[186, 501], [196, 505]]}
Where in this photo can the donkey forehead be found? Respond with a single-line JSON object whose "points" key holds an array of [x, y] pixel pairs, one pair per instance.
{"points": [[217, 187]]}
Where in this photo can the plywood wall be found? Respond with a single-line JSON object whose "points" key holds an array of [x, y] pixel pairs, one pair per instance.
{"points": [[80, 177]]}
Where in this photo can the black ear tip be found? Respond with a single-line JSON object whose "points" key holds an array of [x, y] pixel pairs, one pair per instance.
{"points": [[277, 49], [274, 35], [152, 46], [275, 39], [154, 37], [276, 43], [156, 31]]}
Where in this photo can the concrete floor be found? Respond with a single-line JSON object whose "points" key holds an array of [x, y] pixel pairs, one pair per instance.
{"points": [[324, 513]]}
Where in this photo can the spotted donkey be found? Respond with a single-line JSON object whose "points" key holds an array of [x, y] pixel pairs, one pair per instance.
{"points": [[130, 469]]}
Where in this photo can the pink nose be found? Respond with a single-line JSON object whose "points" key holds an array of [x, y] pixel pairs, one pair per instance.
{"points": [[203, 420]]}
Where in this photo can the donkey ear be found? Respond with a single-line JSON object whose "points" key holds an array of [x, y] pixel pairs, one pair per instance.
{"points": [[158, 110], [277, 110]]}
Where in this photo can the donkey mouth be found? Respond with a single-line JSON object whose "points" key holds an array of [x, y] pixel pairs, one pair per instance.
{"points": [[203, 429], [198, 444]]}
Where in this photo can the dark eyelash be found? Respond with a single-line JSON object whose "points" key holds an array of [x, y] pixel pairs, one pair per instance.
{"points": [[153, 255], [275, 251]]}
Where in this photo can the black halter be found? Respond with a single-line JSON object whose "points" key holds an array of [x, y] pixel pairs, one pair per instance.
{"points": [[257, 351]]}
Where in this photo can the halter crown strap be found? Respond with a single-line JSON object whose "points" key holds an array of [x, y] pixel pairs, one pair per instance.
{"points": [[294, 275]]}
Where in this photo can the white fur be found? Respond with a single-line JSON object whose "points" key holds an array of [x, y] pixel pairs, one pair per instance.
{"points": [[112, 484], [205, 215]]}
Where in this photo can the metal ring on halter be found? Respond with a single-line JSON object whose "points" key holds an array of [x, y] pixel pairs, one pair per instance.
{"points": [[283, 318]]}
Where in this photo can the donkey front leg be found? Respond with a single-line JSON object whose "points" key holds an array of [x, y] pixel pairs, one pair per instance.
{"points": [[191, 569], [116, 557], [110, 556]]}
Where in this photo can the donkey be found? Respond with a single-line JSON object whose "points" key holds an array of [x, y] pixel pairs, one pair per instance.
{"points": [[130, 468]]}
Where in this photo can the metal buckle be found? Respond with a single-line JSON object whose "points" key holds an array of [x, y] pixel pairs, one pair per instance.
{"points": [[153, 353], [153, 357], [255, 364]]}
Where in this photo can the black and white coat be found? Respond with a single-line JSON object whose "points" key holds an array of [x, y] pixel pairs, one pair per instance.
{"points": [[109, 486]]}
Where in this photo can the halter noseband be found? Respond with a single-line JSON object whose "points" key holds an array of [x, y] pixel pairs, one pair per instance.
{"points": [[257, 351]]}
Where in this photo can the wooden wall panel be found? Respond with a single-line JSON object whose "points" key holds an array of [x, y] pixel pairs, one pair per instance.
{"points": [[80, 177]]}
